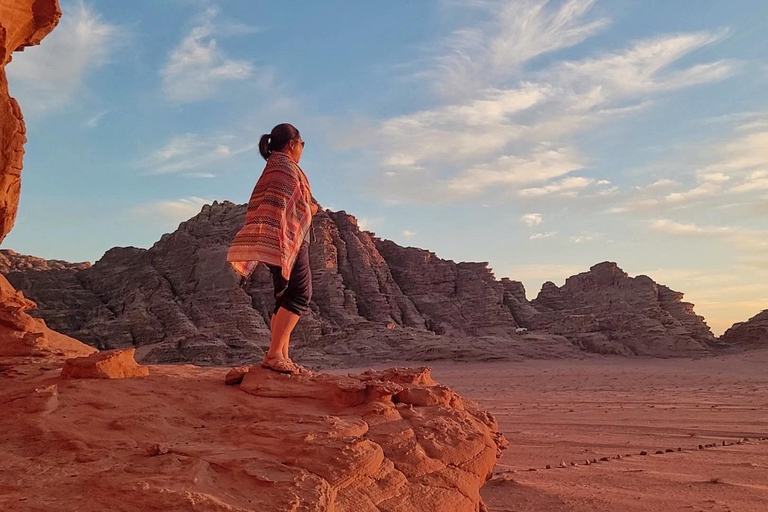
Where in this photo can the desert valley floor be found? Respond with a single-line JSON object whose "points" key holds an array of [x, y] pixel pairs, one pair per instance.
{"points": [[573, 411]]}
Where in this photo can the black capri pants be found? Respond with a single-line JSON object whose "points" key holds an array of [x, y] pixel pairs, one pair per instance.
{"points": [[295, 293]]}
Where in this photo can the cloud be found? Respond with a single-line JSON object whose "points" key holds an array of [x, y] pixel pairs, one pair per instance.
{"points": [[408, 234], [191, 152], [52, 76], [198, 68], [518, 31], [541, 236], [170, 213], [730, 173], [567, 187], [532, 219], [94, 120], [503, 127], [745, 243], [369, 224], [586, 237]]}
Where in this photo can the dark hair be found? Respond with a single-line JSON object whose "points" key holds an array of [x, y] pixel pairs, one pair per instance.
{"points": [[281, 135]]}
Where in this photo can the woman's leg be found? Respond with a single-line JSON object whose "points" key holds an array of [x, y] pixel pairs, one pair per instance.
{"points": [[291, 301], [283, 323]]}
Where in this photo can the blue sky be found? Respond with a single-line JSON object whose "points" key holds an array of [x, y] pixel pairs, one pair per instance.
{"points": [[540, 136]]}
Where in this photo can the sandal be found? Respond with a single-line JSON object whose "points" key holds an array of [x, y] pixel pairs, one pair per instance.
{"points": [[300, 368], [279, 365]]}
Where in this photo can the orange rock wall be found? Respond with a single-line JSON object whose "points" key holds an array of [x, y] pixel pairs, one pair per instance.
{"points": [[22, 23]]}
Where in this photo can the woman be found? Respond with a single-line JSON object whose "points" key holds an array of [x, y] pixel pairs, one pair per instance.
{"points": [[277, 223]]}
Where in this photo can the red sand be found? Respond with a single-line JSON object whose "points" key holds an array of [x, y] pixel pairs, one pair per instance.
{"points": [[571, 411]]}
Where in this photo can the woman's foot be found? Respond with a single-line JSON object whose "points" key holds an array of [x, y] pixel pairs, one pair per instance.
{"points": [[279, 364]]}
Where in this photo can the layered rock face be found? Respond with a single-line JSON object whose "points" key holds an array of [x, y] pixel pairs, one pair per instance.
{"points": [[10, 261], [748, 335], [606, 311], [374, 301], [22, 23], [179, 439]]}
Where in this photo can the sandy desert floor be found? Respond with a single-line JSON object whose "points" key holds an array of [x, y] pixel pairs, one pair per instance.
{"points": [[574, 411]]}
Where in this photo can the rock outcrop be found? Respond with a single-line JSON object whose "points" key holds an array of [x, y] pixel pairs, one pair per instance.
{"points": [[752, 334], [22, 23], [109, 364], [606, 311], [179, 439], [374, 301], [11, 261]]}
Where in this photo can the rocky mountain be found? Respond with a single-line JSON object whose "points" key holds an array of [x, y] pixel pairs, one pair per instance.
{"points": [[373, 301], [11, 261], [750, 334], [606, 311]]}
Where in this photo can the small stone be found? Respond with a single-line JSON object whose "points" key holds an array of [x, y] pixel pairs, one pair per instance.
{"points": [[669, 450], [563, 464], [594, 461], [617, 457], [659, 452], [643, 453], [157, 449], [533, 469], [574, 464], [549, 466], [679, 449], [587, 463], [235, 375], [604, 459], [701, 447]]}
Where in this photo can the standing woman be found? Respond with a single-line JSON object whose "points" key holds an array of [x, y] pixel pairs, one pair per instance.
{"points": [[277, 223]]}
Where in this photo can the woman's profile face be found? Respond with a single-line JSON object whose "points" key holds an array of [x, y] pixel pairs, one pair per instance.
{"points": [[295, 149]]}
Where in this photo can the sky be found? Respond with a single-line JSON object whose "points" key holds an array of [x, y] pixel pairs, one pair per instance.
{"points": [[540, 136]]}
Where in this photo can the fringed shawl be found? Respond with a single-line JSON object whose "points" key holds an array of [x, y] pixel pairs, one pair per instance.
{"points": [[277, 221]]}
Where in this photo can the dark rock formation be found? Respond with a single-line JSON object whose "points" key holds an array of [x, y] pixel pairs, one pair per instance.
{"points": [[374, 301], [751, 334], [606, 311], [11, 261]]}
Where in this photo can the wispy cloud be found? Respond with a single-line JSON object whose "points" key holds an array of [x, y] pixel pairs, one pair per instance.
{"points": [[170, 213], [49, 77], [568, 186], [197, 68], [408, 234], [503, 126], [541, 236], [94, 120], [490, 54], [731, 170], [191, 152], [532, 219]]}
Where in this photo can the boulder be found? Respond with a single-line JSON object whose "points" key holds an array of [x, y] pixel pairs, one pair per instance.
{"points": [[111, 364]]}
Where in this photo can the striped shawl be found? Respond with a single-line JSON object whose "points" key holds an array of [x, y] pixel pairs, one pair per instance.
{"points": [[277, 220]]}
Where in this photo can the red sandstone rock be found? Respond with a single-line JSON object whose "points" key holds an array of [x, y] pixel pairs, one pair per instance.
{"points": [[24, 336], [411, 444], [235, 375], [22, 23], [180, 440], [111, 364]]}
